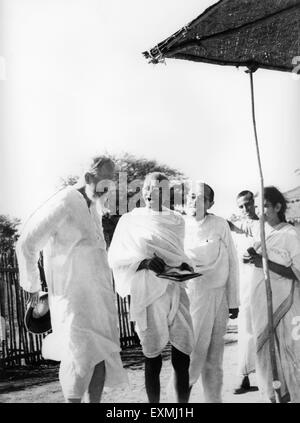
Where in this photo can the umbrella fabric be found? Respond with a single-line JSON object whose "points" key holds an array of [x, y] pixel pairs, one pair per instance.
{"points": [[252, 33]]}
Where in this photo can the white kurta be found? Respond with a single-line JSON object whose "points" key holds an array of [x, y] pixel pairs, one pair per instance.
{"points": [[209, 244], [249, 233], [81, 297], [141, 234]]}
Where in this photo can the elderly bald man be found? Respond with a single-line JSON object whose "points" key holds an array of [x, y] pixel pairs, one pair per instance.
{"points": [[84, 335], [145, 240]]}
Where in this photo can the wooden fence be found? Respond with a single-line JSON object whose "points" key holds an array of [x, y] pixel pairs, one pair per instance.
{"points": [[18, 346]]}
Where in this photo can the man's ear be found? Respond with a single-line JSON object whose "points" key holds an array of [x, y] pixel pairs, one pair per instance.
{"points": [[211, 204], [87, 178], [278, 207]]}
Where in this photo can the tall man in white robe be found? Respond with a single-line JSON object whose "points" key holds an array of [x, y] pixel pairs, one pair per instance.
{"points": [[213, 296], [145, 240], [247, 231], [84, 335]]}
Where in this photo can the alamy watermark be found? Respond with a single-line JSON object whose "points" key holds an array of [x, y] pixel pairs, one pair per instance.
{"points": [[120, 196]]}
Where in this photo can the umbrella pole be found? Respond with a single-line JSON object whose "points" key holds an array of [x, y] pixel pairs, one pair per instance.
{"points": [[276, 382]]}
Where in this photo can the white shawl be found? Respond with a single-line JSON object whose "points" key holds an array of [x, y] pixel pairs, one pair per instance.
{"points": [[142, 234]]}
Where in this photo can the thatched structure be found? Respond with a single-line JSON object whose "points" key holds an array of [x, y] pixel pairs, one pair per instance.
{"points": [[252, 33]]}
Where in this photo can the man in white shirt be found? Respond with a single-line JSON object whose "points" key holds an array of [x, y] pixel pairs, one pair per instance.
{"points": [[85, 336], [213, 296], [246, 232]]}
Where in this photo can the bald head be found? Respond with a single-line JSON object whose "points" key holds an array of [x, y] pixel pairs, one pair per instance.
{"points": [[155, 176], [98, 177], [156, 191], [97, 162]]}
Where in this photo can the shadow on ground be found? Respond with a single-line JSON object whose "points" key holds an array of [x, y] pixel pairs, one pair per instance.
{"points": [[22, 377]]}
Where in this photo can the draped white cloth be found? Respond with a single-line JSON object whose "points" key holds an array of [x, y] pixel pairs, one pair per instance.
{"points": [[140, 234], [209, 245], [249, 233], [81, 297], [283, 247]]}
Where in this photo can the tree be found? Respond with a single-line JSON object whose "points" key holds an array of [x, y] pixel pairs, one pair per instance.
{"points": [[8, 232], [136, 169]]}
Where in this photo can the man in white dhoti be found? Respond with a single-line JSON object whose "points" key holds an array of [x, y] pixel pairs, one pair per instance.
{"points": [[84, 335], [145, 240], [247, 231], [214, 295]]}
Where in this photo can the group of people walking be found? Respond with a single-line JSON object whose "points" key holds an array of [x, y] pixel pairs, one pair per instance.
{"points": [[192, 315]]}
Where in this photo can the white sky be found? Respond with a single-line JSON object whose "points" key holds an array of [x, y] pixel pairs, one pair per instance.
{"points": [[77, 84]]}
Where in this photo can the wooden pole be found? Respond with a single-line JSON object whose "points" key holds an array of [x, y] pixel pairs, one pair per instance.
{"points": [[276, 382]]}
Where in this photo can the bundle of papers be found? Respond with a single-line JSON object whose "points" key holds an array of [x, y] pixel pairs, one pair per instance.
{"points": [[176, 274]]}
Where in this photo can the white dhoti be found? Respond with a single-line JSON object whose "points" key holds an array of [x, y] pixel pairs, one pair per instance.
{"points": [[159, 307], [210, 317], [74, 384], [168, 319], [246, 344], [249, 232]]}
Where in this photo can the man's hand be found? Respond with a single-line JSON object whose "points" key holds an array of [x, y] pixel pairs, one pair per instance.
{"points": [[257, 260], [185, 266], [33, 298], [252, 257], [156, 264], [233, 313]]}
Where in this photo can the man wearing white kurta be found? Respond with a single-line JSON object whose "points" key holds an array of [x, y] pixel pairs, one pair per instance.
{"points": [[84, 334], [247, 231], [214, 295], [144, 241]]}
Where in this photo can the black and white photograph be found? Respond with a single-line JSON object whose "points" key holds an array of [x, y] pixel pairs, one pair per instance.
{"points": [[150, 204]]}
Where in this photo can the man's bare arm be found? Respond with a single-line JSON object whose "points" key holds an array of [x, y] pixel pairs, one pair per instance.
{"points": [[235, 228], [279, 269]]}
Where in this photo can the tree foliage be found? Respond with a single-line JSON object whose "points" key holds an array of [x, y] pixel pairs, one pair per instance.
{"points": [[8, 232], [136, 169]]}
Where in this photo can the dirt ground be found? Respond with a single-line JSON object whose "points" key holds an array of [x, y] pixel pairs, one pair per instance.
{"points": [[42, 386]]}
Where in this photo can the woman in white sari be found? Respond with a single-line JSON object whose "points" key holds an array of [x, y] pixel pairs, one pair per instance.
{"points": [[283, 248]]}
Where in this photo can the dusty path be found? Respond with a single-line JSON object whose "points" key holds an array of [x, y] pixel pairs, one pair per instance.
{"points": [[45, 388]]}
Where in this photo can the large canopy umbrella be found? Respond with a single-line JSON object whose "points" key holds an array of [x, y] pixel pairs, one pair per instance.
{"points": [[250, 33]]}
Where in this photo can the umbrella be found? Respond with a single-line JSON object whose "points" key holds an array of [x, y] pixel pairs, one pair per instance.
{"points": [[253, 34]]}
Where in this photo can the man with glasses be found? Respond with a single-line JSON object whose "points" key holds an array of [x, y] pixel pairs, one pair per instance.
{"points": [[214, 295], [145, 242]]}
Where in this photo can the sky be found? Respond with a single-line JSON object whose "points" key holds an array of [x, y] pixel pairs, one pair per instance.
{"points": [[76, 84]]}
